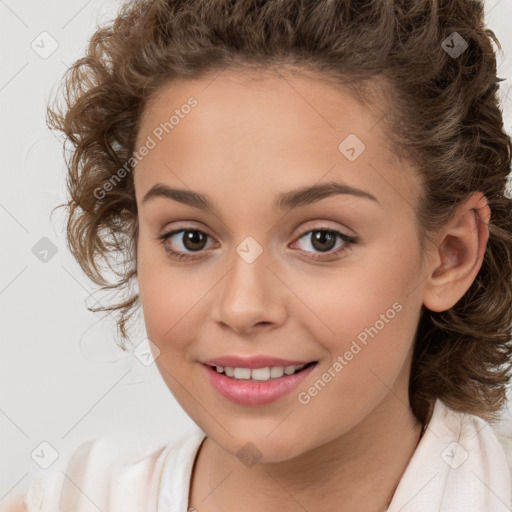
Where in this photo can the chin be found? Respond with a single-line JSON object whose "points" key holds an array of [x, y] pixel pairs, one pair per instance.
{"points": [[259, 447]]}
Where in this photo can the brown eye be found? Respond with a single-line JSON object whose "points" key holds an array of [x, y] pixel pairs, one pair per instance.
{"points": [[182, 243], [193, 240], [323, 240]]}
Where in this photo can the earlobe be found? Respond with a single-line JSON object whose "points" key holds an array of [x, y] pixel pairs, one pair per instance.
{"points": [[459, 254]]}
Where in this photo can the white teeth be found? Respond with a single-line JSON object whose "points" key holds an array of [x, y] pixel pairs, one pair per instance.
{"points": [[242, 373], [261, 374], [276, 371], [289, 370]]}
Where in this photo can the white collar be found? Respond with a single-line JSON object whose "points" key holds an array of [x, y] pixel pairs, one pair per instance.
{"points": [[458, 466]]}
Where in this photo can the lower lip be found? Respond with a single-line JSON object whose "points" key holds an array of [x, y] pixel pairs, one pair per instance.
{"points": [[248, 392]]}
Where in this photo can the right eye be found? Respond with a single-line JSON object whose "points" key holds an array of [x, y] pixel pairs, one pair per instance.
{"points": [[191, 239]]}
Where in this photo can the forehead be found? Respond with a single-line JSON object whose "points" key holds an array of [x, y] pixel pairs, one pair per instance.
{"points": [[277, 127], [238, 94]]}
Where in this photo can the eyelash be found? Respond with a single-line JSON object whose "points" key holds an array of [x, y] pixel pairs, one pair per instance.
{"points": [[349, 241]]}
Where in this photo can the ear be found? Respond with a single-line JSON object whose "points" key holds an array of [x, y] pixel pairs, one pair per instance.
{"points": [[458, 256]]}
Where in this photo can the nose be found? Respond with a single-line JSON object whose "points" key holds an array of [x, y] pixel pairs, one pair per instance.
{"points": [[250, 296]]}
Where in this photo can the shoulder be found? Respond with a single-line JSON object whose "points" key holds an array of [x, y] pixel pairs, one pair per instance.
{"points": [[479, 438], [504, 438], [107, 473], [458, 465], [483, 452]]}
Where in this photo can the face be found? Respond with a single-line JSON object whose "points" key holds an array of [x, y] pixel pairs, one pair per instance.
{"points": [[329, 277]]}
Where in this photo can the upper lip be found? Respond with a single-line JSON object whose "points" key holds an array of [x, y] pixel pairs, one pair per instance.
{"points": [[252, 362]]}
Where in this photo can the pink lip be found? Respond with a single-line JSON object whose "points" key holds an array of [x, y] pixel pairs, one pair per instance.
{"points": [[249, 392], [252, 362]]}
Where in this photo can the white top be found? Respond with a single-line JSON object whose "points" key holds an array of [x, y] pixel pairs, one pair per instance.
{"points": [[460, 465]]}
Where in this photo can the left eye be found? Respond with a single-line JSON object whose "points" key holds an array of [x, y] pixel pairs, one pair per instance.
{"points": [[324, 240]]}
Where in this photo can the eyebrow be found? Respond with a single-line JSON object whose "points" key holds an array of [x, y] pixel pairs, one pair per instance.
{"points": [[286, 201]]}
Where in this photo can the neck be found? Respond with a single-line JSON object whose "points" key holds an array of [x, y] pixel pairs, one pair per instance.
{"points": [[358, 471]]}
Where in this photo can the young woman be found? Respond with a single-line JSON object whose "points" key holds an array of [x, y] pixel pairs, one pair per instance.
{"points": [[311, 199]]}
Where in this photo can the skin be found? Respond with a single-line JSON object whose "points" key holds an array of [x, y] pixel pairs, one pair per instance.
{"points": [[243, 144], [15, 504]]}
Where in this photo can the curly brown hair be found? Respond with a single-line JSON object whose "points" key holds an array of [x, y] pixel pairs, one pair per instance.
{"points": [[445, 120]]}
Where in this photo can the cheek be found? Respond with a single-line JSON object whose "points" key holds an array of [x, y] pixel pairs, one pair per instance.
{"points": [[343, 303], [364, 332], [164, 296], [365, 314], [174, 302], [372, 339], [167, 300]]}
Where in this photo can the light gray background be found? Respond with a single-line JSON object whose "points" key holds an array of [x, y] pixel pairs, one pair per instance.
{"points": [[62, 378]]}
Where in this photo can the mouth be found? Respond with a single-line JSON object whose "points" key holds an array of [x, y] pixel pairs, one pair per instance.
{"points": [[257, 386], [265, 374]]}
